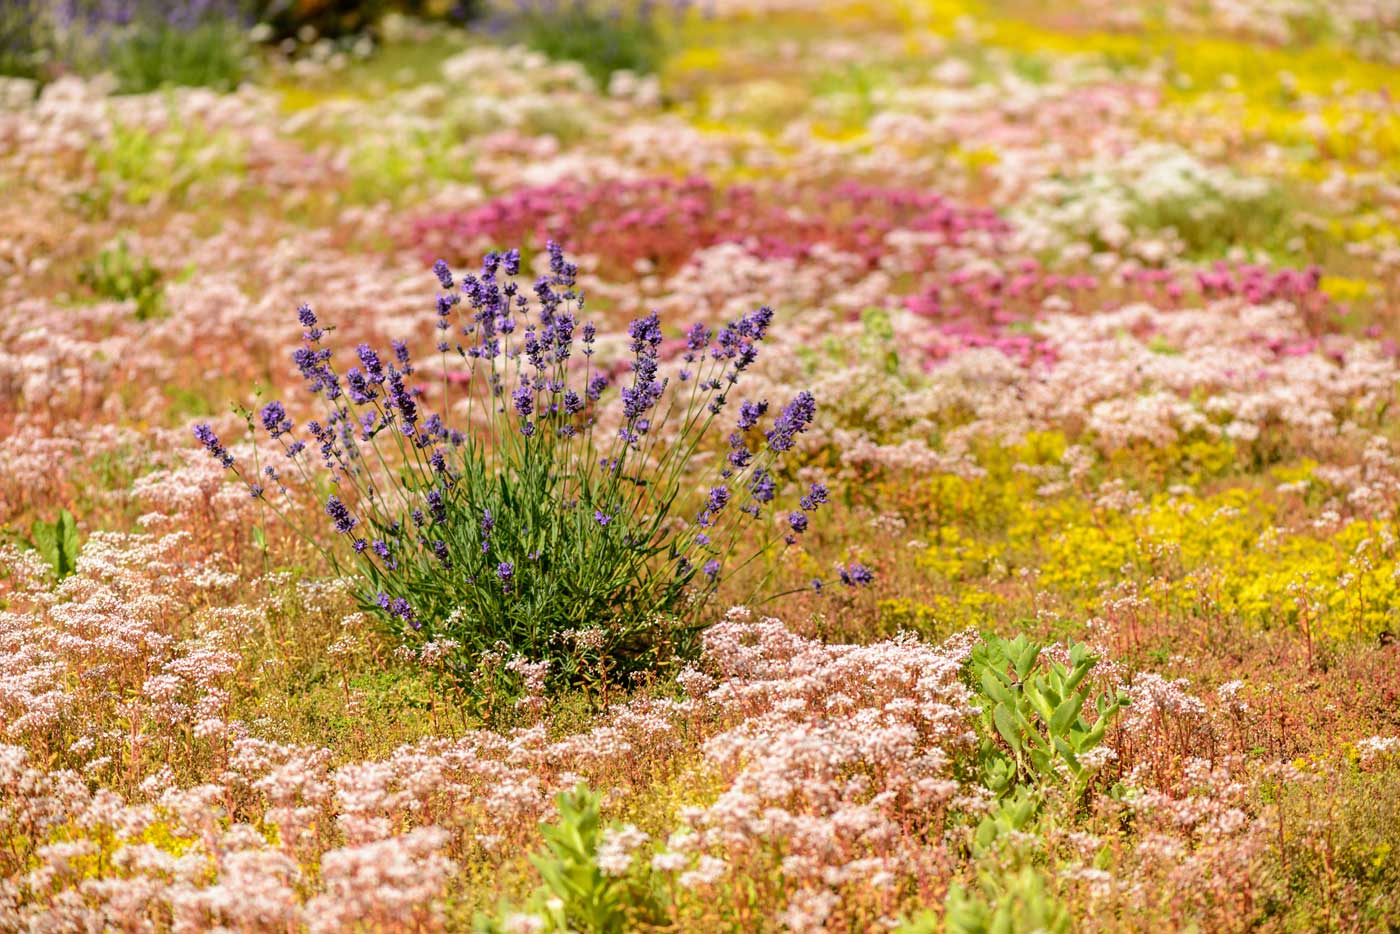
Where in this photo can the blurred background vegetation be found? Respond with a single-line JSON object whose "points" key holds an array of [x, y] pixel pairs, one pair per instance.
{"points": [[149, 44]]}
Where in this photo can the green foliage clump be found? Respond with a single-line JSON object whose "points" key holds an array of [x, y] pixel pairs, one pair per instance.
{"points": [[1034, 732], [1214, 222], [392, 169], [212, 53], [23, 39], [586, 888], [143, 44], [1010, 894], [138, 166], [604, 40], [118, 274], [1006, 904], [57, 543], [1003, 902]]}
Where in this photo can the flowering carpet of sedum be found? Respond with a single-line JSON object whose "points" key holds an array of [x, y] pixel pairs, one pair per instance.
{"points": [[1055, 573]]}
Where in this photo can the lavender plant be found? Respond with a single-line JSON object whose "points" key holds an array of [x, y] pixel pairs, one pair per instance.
{"points": [[565, 519]]}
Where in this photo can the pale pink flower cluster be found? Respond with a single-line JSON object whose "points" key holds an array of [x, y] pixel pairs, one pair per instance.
{"points": [[839, 758]]}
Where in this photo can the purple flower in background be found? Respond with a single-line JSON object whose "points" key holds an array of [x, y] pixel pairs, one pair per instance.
{"points": [[445, 303], [505, 570], [564, 273], [443, 273], [756, 324], [398, 606], [369, 359], [524, 399], [359, 388], [696, 339], [711, 569], [798, 521], [550, 300], [856, 575], [275, 420], [400, 398], [792, 421], [534, 350], [596, 385], [436, 507], [736, 340], [739, 455], [205, 436], [637, 400], [563, 337], [815, 497], [645, 334], [340, 515], [601, 517], [316, 370], [489, 264], [763, 487], [646, 389], [750, 413]]}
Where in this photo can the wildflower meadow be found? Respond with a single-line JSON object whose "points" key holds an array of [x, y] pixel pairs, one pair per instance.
{"points": [[601, 466]]}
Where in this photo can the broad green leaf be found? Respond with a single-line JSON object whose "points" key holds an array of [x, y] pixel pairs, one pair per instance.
{"points": [[44, 537], [1078, 674], [1038, 701], [1068, 754], [1025, 661], [993, 688], [57, 543], [1006, 725], [1066, 714], [68, 542]]}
